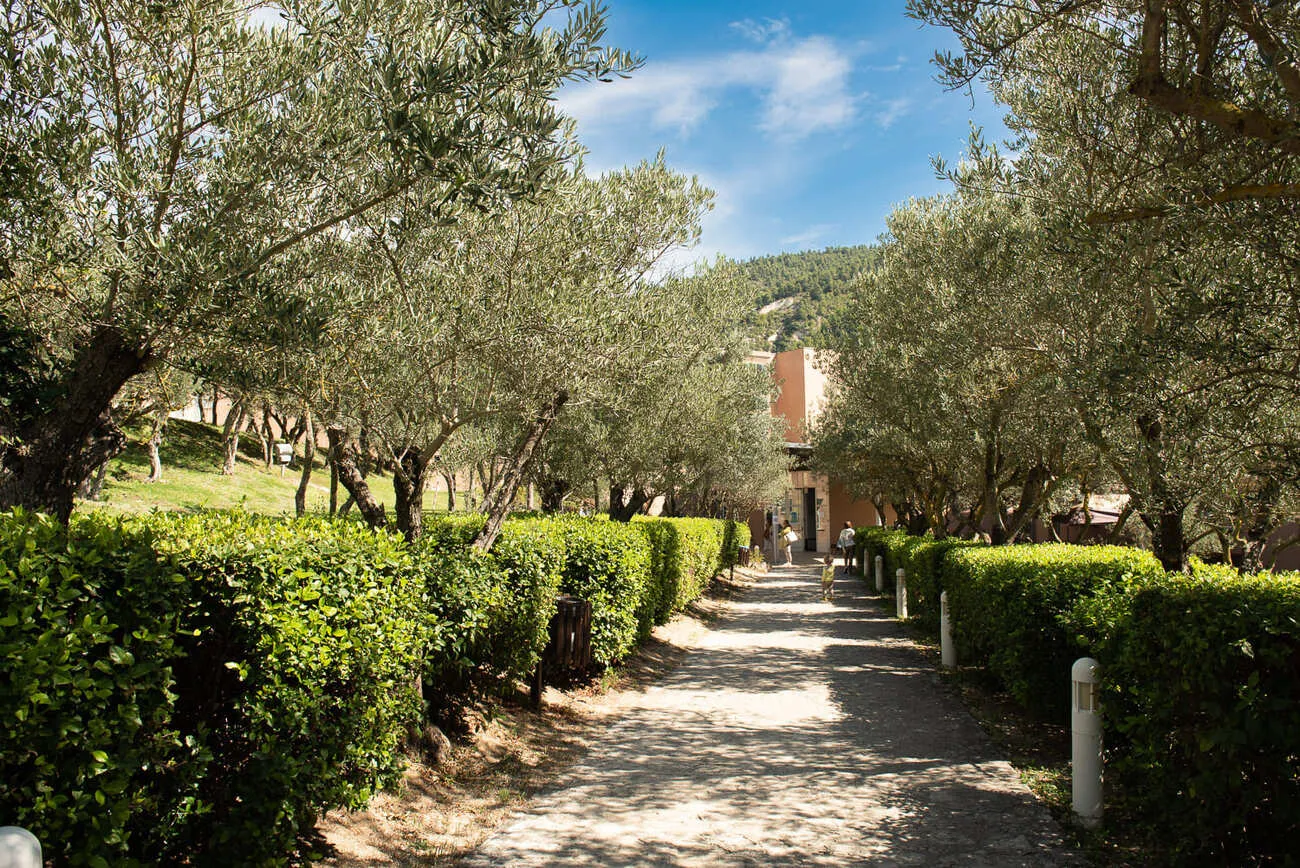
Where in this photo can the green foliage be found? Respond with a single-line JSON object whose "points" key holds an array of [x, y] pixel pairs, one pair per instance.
{"points": [[1202, 689], [203, 687], [923, 557], [607, 563], [735, 536], [817, 289], [880, 541], [90, 758], [1023, 610], [184, 685], [308, 636], [1200, 675], [685, 553], [492, 609]]}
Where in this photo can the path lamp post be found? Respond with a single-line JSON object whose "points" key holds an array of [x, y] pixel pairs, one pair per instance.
{"points": [[19, 848], [947, 653], [900, 593], [1085, 740], [880, 574]]}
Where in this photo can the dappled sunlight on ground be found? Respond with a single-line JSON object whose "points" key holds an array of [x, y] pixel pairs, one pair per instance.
{"points": [[799, 732]]}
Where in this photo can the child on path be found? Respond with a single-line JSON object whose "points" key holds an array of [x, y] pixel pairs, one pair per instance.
{"points": [[828, 577]]}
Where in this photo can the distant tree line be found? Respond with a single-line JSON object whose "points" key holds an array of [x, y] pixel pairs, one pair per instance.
{"points": [[809, 290]]}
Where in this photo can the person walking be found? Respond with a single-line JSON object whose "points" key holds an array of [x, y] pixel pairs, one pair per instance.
{"points": [[786, 538], [845, 544]]}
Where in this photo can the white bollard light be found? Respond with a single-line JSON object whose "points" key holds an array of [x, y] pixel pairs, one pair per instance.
{"points": [[900, 593], [947, 653], [19, 848], [1085, 725], [880, 574]]}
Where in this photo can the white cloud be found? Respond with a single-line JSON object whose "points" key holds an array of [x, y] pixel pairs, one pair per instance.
{"points": [[763, 32], [891, 111], [802, 87], [808, 236], [810, 92]]}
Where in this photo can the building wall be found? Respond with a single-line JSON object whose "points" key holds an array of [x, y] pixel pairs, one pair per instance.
{"points": [[800, 399], [791, 401], [845, 508]]}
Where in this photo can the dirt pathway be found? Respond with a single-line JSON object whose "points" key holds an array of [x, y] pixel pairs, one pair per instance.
{"points": [[797, 733]]}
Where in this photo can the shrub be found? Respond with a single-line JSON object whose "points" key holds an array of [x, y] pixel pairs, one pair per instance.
{"points": [[89, 757], [531, 555], [192, 685], [1202, 701], [607, 563], [924, 558], [301, 677], [1022, 610], [685, 553], [735, 536], [880, 541], [492, 609]]}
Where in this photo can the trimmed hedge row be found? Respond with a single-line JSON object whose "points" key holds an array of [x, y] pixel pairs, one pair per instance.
{"points": [[685, 554], [1201, 676], [201, 688], [921, 558], [1022, 610], [1202, 705], [89, 631], [635, 575]]}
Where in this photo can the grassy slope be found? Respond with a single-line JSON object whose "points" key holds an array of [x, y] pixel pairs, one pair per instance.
{"points": [[191, 455]]}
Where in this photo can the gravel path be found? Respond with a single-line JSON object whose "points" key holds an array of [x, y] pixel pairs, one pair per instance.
{"points": [[798, 733]]}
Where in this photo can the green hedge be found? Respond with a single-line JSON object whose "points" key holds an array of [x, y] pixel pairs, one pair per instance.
{"points": [[185, 686], [925, 560], [1201, 680], [493, 608], [301, 679], [89, 757], [685, 553], [608, 564], [636, 575], [1200, 674], [1020, 610], [878, 541], [178, 686]]}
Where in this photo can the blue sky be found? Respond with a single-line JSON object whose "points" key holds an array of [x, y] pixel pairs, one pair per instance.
{"points": [[810, 120]]}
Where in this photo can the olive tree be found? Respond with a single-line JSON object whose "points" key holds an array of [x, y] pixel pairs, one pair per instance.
{"points": [[513, 312], [160, 156]]}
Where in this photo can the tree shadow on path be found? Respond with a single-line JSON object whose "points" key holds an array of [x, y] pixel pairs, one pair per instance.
{"points": [[800, 733]]}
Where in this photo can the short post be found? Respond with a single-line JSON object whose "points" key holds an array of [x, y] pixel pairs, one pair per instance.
{"points": [[900, 593], [880, 574], [947, 653], [19, 848], [1085, 724]]}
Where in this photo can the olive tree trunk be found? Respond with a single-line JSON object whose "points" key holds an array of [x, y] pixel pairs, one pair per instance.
{"points": [[63, 447], [308, 458], [344, 455], [409, 481], [496, 503]]}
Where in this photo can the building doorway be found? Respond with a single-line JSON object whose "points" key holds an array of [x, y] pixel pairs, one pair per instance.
{"points": [[810, 519]]}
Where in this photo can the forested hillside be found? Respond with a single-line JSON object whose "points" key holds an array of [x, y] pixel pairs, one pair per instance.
{"points": [[800, 293]]}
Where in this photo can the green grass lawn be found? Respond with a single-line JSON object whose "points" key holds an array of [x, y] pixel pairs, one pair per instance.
{"points": [[191, 455]]}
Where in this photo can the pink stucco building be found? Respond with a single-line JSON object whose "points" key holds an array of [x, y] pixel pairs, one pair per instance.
{"points": [[816, 506]]}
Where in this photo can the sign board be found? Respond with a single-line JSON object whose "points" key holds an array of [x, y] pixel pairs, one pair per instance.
{"points": [[284, 453]]}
